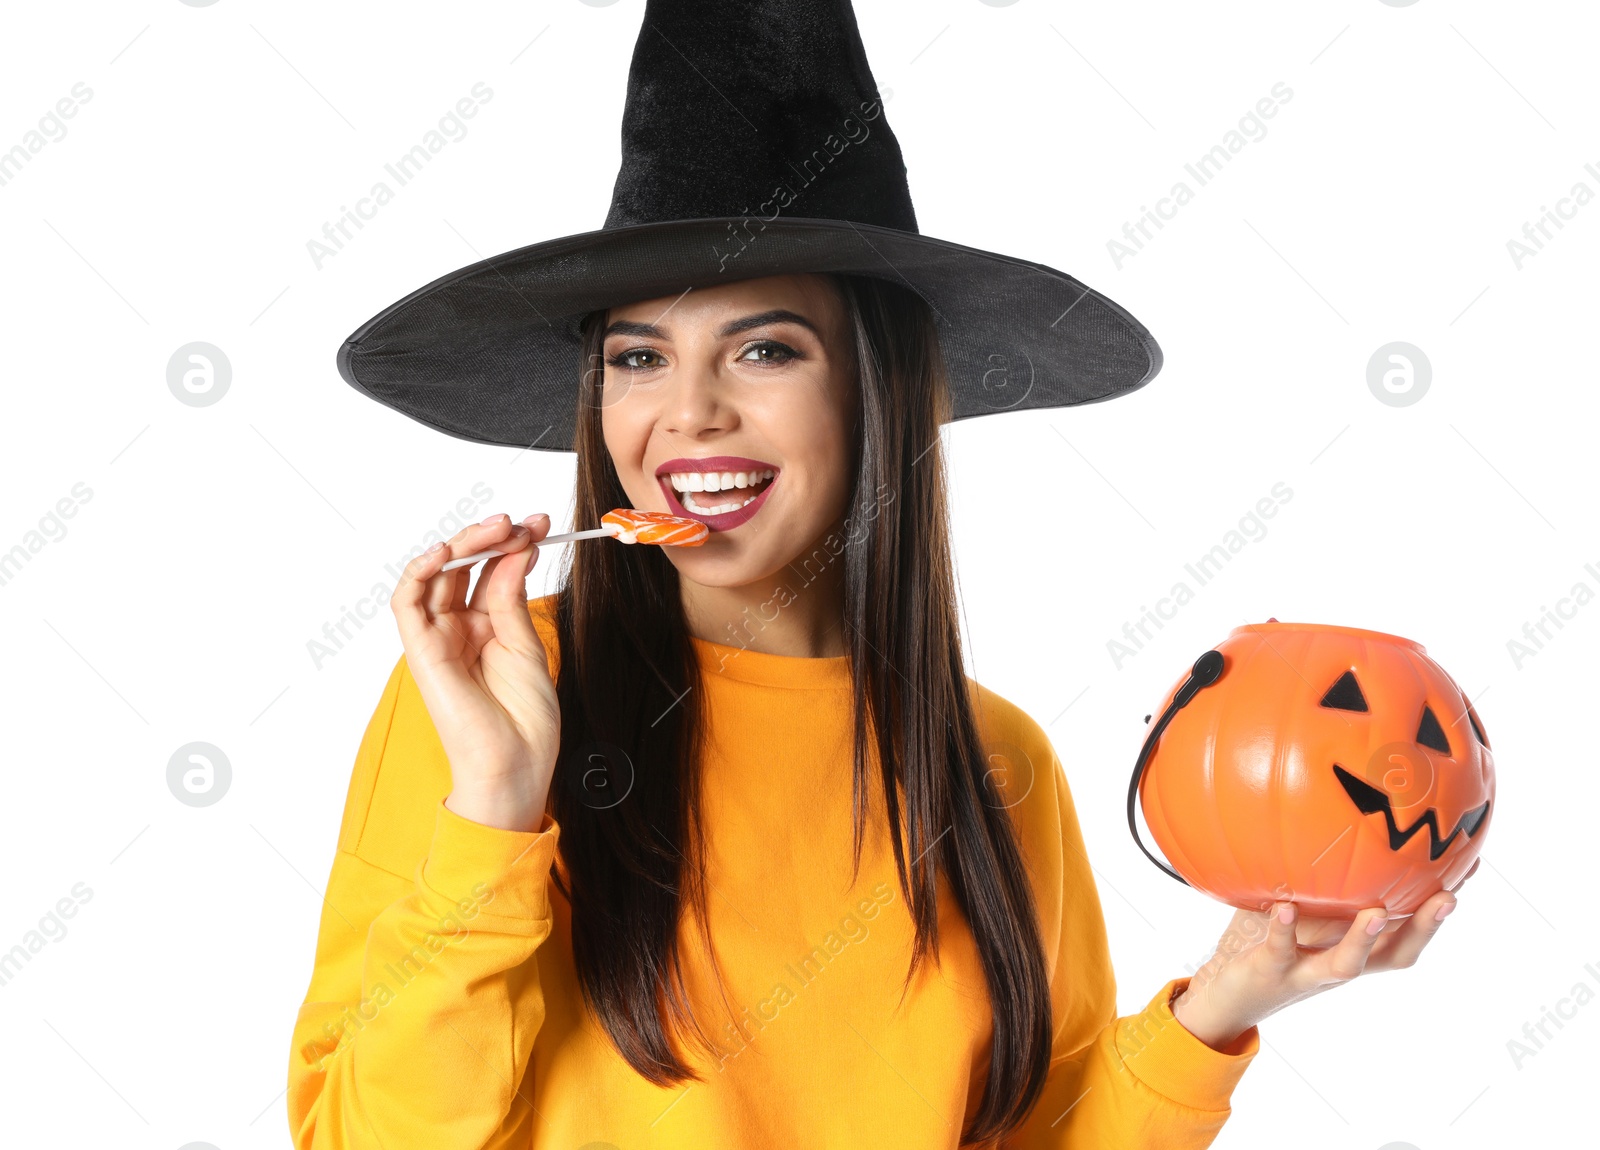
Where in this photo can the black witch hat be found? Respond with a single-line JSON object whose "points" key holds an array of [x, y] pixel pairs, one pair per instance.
{"points": [[754, 143]]}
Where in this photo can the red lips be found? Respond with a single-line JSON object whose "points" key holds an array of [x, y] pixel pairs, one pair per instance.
{"points": [[719, 463]]}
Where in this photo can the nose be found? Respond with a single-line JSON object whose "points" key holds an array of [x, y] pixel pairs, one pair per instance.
{"points": [[693, 403]]}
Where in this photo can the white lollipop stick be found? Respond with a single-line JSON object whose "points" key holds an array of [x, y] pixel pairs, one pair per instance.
{"points": [[469, 560]]}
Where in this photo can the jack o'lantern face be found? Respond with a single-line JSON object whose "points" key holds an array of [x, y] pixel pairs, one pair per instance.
{"points": [[1346, 695], [1308, 766]]}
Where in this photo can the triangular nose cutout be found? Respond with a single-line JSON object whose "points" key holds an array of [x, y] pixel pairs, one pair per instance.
{"points": [[1345, 695], [1430, 734]]}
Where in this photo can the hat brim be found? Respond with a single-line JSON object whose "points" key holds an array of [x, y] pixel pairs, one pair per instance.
{"points": [[490, 352]]}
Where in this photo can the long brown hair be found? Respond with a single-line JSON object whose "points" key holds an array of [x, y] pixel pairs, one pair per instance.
{"points": [[631, 715]]}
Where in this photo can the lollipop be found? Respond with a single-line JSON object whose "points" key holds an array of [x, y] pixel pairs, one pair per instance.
{"points": [[654, 527], [623, 524]]}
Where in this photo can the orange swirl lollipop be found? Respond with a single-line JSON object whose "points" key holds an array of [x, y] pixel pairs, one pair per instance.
{"points": [[624, 524], [655, 527]]}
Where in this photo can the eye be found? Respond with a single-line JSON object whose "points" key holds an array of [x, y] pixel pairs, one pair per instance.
{"points": [[620, 360], [1430, 734], [783, 351], [1345, 695], [1477, 727]]}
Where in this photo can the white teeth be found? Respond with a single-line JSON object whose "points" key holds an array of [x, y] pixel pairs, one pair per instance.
{"points": [[720, 509], [716, 480]]}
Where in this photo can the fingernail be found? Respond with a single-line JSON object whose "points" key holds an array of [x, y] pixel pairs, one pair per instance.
{"points": [[1444, 912], [435, 547], [1376, 925], [1286, 913], [518, 529], [493, 519], [533, 519]]}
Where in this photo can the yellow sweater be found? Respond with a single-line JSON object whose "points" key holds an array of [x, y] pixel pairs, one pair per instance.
{"points": [[444, 1011]]}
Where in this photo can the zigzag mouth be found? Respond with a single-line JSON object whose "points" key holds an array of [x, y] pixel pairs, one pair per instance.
{"points": [[1369, 800]]}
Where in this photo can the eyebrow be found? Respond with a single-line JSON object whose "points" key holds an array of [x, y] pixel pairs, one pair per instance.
{"points": [[733, 327]]}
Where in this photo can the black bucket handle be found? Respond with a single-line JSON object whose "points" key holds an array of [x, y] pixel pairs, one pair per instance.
{"points": [[1207, 670]]}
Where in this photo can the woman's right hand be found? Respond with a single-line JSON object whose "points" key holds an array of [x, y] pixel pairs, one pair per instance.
{"points": [[482, 671]]}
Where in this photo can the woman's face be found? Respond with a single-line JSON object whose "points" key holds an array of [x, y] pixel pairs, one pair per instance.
{"points": [[709, 393]]}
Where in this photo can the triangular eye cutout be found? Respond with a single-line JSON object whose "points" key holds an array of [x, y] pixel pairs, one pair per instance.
{"points": [[1345, 695], [1477, 729], [1430, 734]]}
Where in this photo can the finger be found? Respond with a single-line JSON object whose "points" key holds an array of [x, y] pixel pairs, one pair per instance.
{"points": [[441, 589], [407, 600], [514, 541], [524, 535], [1280, 945], [515, 538], [445, 589], [1348, 957], [1398, 950], [1319, 932], [502, 593]]}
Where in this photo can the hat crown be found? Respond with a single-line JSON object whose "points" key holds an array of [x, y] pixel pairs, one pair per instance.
{"points": [[754, 144], [755, 108]]}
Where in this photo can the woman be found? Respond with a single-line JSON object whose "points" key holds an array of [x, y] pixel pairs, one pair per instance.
{"points": [[616, 866]]}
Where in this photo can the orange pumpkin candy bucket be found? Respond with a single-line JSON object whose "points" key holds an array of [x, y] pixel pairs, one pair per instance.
{"points": [[1337, 767]]}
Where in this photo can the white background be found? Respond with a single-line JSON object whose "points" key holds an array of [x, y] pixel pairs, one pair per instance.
{"points": [[219, 540]]}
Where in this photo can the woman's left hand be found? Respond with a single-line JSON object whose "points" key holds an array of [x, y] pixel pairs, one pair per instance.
{"points": [[1268, 959]]}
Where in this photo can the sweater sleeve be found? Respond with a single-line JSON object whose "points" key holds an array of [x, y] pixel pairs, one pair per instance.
{"points": [[1134, 1082], [424, 1003]]}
